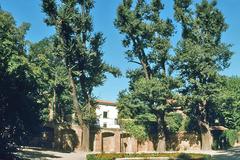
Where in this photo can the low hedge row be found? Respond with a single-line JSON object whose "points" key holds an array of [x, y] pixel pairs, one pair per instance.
{"points": [[183, 156]]}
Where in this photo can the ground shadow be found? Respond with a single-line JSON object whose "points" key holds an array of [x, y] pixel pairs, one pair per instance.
{"points": [[34, 154], [230, 154]]}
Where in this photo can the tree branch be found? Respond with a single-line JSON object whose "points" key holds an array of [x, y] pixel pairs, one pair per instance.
{"points": [[135, 62]]}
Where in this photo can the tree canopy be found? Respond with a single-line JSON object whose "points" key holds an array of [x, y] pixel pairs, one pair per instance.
{"points": [[18, 102], [229, 103], [81, 54], [147, 39], [53, 80], [200, 55]]}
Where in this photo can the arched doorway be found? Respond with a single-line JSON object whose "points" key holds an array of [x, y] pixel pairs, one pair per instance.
{"points": [[108, 142]]}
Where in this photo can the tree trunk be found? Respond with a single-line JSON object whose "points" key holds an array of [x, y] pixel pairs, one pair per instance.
{"points": [[206, 137], [52, 107], [86, 129], [84, 137], [161, 146], [145, 69], [74, 96]]}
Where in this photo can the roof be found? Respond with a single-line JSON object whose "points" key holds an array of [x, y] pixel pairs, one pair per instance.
{"points": [[219, 128], [106, 102]]}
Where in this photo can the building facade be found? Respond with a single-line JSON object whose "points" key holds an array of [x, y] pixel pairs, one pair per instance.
{"points": [[107, 114], [111, 138]]}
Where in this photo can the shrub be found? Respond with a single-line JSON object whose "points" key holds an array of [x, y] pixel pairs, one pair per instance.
{"points": [[231, 137], [135, 130], [112, 156], [184, 156], [174, 122]]}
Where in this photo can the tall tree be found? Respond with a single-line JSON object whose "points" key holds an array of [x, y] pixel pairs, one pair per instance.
{"points": [[51, 76], [147, 37], [82, 54], [19, 111], [200, 55], [147, 104]]}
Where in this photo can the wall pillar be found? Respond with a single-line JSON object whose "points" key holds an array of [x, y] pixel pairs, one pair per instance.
{"points": [[117, 138], [98, 142]]}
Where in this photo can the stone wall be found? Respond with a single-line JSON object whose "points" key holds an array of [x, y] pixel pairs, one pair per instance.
{"points": [[67, 138], [108, 140], [183, 141]]}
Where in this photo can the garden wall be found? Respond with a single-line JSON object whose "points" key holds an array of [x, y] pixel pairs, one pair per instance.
{"points": [[114, 140]]}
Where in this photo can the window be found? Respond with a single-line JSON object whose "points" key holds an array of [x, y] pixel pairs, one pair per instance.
{"points": [[104, 125], [105, 115], [116, 121]]}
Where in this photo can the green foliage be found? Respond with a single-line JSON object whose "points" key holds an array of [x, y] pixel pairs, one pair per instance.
{"points": [[200, 56], [51, 75], [147, 39], [147, 101], [231, 137], [146, 104], [82, 55], [135, 130], [229, 103], [19, 111], [173, 122], [190, 125], [80, 50], [147, 36], [183, 156]]}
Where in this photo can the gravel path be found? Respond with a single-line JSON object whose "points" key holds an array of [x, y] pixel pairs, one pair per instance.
{"points": [[230, 154], [38, 154]]}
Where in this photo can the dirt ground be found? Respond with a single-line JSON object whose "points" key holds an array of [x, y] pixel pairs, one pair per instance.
{"points": [[40, 154]]}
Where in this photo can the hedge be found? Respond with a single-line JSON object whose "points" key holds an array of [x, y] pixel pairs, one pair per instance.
{"points": [[183, 156]]}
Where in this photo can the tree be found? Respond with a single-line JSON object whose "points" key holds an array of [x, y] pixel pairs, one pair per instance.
{"points": [[147, 104], [82, 55], [200, 55], [51, 76], [229, 103], [19, 111], [147, 37]]}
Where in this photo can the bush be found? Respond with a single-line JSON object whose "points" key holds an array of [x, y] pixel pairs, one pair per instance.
{"points": [[231, 137], [135, 130], [184, 156], [112, 156], [174, 122]]}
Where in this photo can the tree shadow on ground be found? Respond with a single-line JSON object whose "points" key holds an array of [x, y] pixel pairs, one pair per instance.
{"points": [[34, 154], [230, 154]]}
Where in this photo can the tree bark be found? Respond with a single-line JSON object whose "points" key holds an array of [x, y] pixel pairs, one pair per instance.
{"points": [[74, 96], [84, 137], [161, 146], [145, 69], [142, 57], [52, 107], [206, 136], [86, 127]]}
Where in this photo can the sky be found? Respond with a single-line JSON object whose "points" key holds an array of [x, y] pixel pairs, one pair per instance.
{"points": [[104, 14]]}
